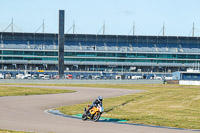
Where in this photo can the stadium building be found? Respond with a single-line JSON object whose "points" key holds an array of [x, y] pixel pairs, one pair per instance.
{"points": [[83, 52]]}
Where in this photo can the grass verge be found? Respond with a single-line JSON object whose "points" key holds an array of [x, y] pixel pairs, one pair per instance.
{"points": [[9, 131], [162, 105], [23, 91]]}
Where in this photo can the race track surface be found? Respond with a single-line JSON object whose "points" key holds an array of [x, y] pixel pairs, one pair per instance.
{"points": [[27, 113]]}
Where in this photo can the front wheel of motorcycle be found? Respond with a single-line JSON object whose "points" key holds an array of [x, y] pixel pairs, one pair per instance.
{"points": [[97, 117], [84, 117]]}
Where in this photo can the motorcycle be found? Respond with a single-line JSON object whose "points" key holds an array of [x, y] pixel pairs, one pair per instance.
{"points": [[93, 114]]}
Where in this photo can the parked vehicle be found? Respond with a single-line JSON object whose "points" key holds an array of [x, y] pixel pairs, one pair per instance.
{"points": [[118, 77], [55, 77], [1, 76], [19, 76], [82, 77], [69, 76], [156, 77], [41, 76], [97, 77], [27, 76], [167, 78], [13, 77], [46, 77], [136, 77], [8, 76], [34, 76]]}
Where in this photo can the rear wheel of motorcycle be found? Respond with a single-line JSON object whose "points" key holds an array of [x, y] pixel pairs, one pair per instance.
{"points": [[84, 117], [96, 117]]}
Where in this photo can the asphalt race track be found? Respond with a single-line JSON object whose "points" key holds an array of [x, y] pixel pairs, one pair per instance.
{"points": [[27, 113]]}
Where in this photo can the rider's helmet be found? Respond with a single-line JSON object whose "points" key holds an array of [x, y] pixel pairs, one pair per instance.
{"points": [[100, 98]]}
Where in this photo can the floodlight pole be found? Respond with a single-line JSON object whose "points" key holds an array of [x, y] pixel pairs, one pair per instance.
{"points": [[133, 28], [163, 29], [193, 30], [12, 29], [61, 40], [104, 28], [73, 27]]}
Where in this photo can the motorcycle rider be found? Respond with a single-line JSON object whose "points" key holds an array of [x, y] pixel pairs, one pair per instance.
{"points": [[95, 103]]}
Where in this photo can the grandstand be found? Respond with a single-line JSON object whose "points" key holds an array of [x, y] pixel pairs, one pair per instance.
{"points": [[84, 52]]}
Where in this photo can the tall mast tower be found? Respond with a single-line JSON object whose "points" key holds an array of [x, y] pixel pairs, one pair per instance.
{"points": [[61, 40]]}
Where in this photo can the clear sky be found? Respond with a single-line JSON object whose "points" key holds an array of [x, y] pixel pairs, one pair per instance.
{"points": [[89, 15]]}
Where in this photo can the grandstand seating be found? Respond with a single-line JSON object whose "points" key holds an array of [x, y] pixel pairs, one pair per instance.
{"points": [[119, 51], [102, 46]]}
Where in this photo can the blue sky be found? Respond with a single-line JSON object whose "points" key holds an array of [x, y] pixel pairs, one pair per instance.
{"points": [[89, 15]]}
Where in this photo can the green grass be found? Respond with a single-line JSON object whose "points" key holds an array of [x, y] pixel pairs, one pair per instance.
{"points": [[162, 105], [23, 91]]}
